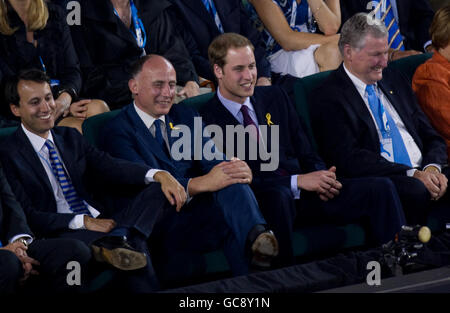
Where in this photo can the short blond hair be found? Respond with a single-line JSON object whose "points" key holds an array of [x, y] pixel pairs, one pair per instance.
{"points": [[440, 28], [37, 16]]}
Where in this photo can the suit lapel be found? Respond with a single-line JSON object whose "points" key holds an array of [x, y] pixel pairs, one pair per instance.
{"points": [[146, 139], [31, 158], [354, 99]]}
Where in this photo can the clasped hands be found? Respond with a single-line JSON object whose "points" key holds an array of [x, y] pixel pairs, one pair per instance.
{"points": [[434, 181], [19, 249], [323, 182]]}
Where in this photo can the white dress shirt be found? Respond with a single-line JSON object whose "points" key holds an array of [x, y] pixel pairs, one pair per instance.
{"points": [[235, 109]]}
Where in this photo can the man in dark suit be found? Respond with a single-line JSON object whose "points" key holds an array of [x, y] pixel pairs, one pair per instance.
{"points": [[367, 121], [413, 18], [61, 182], [199, 21], [22, 256], [143, 132], [300, 186]]}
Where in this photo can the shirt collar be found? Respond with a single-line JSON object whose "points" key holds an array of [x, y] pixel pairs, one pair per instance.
{"points": [[147, 118], [359, 84], [37, 141], [234, 107]]}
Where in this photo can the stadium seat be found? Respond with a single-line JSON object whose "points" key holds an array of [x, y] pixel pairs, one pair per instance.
{"points": [[92, 125], [7, 131]]}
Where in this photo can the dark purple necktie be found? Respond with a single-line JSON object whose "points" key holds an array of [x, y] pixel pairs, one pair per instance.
{"points": [[249, 121]]}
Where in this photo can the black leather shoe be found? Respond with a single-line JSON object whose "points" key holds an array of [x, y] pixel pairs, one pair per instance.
{"points": [[116, 251], [264, 249]]}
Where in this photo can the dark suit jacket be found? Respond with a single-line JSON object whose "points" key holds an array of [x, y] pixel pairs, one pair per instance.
{"points": [[106, 48], [197, 21], [89, 169], [12, 218], [127, 137], [414, 19], [296, 154], [347, 136]]}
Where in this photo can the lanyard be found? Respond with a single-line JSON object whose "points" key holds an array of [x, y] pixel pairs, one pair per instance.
{"points": [[53, 82], [139, 31], [293, 13], [215, 15]]}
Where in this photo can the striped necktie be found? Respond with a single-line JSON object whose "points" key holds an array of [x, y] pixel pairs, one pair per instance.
{"points": [[76, 204], [385, 12], [209, 5]]}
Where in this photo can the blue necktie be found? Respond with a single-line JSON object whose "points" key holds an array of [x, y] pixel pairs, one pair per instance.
{"points": [[209, 5], [395, 38], [158, 135], [76, 204], [388, 128]]}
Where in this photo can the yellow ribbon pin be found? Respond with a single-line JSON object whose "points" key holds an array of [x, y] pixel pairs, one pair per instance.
{"points": [[173, 127], [268, 118]]}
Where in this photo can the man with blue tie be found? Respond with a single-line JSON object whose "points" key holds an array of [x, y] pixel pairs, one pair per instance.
{"points": [[367, 121], [300, 189], [69, 189], [220, 199]]}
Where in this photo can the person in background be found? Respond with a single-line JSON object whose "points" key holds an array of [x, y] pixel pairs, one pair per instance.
{"points": [[34, 34], [407, 22], [115, 33], [300, 35], [431, 81]]}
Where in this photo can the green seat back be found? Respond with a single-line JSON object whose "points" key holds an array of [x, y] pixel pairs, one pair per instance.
{"points": [[6, 132], [302, 89], [199, 101], [409, 64], [92, 126]]}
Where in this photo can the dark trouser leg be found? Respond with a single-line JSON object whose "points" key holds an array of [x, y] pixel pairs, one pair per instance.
{"points": [[241, 211], [415, 198], [10, 272], [144, 211], [372, 199], [53, 256], [279, 210], [179, 239]]}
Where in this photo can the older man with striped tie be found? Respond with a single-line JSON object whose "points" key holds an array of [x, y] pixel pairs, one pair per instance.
{"points": [[407, 23], [64, 184]]}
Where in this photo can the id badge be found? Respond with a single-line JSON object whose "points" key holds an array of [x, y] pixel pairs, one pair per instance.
{"points": [[387, 150]]}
